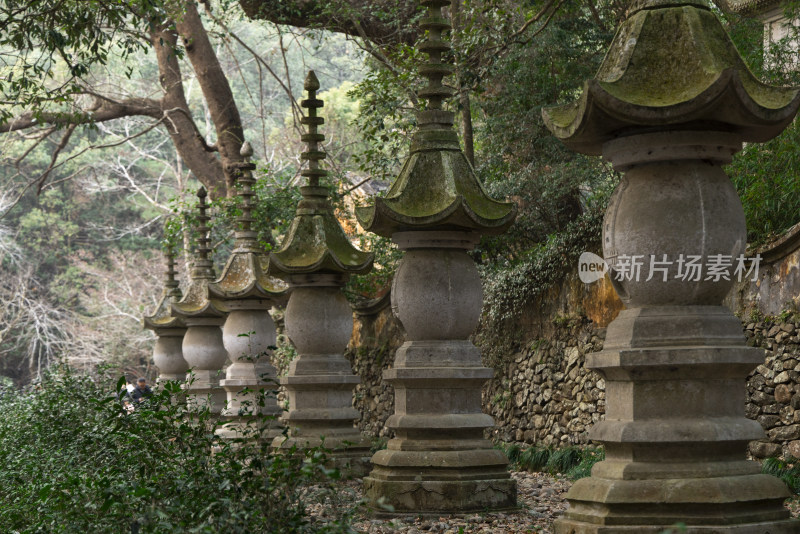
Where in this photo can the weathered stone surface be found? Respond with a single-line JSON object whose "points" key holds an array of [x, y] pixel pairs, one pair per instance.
{"points": [[438, 462], [783, 394], [674, 360], [168, 351], [317, 258], [768, 421], [249, 333], [793, 449], [784, 433], [764, 449], [202, 345]]}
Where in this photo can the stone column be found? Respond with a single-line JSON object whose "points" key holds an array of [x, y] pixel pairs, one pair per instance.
{"points": [[316, 258], [439, 461], [671, 104], [202, 344], [249, 332], [167, 353], [320, 383]]}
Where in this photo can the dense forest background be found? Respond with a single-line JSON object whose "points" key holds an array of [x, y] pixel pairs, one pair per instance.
{"points": [[112, 114]]}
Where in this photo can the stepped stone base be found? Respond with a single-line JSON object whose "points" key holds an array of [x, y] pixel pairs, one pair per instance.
{"points": [[438, 497], [563, 526], [349, 452]]}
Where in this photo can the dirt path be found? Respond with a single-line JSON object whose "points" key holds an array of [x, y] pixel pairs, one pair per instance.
{"points": [[541, 499]]}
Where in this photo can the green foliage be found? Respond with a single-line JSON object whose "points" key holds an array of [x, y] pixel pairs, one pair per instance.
{"points": [[74, 460], [45, 39], [510, 286], [767, 175], [768, 180], [572, 462], [387, 259], [787, 470]]}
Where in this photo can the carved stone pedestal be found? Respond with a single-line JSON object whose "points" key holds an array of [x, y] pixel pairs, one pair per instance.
{"points": [[320, 383], [439, 461], [251, 380], [206, 356], [674, 361]]}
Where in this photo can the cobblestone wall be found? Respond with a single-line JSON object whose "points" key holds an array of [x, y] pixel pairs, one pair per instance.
{"points": [[544, 394], [773, 388]]}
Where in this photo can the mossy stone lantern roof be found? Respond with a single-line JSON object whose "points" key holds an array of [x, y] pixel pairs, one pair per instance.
{"points": [[196, 303], [162, 318], [245, 274], [671, 65], [315, 241], [437, 188]]}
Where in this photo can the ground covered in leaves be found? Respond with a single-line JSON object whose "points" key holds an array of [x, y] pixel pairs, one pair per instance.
{"points": [[541, 499]]}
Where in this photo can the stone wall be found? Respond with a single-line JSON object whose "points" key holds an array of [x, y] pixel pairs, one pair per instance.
{"points": [[773, 388], [377, 334], [543, 394]]}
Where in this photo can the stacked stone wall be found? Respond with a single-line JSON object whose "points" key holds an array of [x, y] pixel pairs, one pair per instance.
{"points": [[542, 392], [544, 395], [773, 388]]}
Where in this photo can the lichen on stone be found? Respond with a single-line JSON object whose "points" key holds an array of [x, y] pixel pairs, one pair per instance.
{"points": [[437, 189], [315, 241], [672, 64]]}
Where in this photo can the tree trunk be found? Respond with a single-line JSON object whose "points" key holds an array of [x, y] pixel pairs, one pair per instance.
{"points": [[216, 90], [384, 22], [180, 125], [467, 133]]}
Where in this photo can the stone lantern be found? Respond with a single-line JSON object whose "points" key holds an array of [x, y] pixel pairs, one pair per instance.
{"points": [[202, 344], [670, 105], [167, 353], [436, 210], [249, 333], [317, 258]]}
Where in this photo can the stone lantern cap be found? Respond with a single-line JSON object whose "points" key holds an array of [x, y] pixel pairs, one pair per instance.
{"points": [[672, 66], [315, 241], [437, 188], [245, 274], [196, 302], [162, 318]]}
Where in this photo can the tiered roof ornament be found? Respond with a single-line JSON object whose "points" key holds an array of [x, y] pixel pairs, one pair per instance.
{"points": [[315, 241], [197, 302], [245, 274], [437, 188], [670, 71], [670, 105], [162, 316]]}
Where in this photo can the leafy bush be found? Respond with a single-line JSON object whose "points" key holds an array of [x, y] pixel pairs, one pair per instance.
{"points": [[573, 462], [74, 460], [787, 470]]}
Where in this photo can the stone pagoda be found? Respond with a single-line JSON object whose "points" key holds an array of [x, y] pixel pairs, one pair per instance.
{"points": [[670, 105], [436, 210], [169, 329], [249, 332], [317, 258], [202, 344]]}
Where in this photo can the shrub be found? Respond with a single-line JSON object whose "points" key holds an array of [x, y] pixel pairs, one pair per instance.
{"points": [[786, 470], [73, 460], [573, 462]]}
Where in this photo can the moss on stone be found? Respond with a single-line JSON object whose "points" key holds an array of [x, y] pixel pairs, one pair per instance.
{"points": [[672, 64], [316, 242]]}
